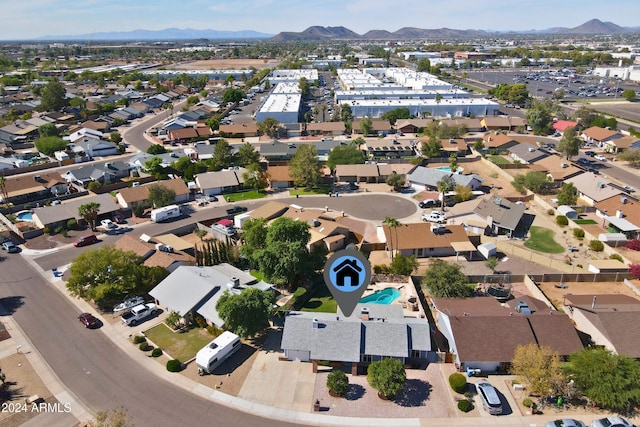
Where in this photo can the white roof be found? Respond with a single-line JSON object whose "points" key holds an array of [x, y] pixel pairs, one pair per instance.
{"points": [[204, 355], [622, 223]]}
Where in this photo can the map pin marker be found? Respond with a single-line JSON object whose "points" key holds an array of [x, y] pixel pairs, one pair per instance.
{"points": [[347, 274]]}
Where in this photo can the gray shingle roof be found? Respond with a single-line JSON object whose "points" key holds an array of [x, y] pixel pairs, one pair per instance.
{"points": [[427, 176]]}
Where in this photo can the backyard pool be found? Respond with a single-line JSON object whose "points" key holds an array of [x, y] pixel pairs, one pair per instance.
{"points": [[25, 216], [448, 169], [385, 296]]}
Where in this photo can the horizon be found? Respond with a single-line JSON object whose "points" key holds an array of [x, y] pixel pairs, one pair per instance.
{"points": [[38, 19]]}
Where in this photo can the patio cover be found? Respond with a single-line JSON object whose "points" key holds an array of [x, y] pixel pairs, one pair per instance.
{"points": [[622, 224], [174, 241]]}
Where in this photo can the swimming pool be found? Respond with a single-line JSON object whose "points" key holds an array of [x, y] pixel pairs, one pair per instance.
{"points": [[448, 169], [25, 216], [385, 296]]}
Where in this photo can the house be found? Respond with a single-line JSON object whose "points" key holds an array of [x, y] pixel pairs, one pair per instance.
{"points": [[618, 145], [189, 134], [12, 163], [526, 153], [488, 215], [279, 177], [454, 146], [429, 178], [95, 147], [138, 160], [556, 168], [18, 132], [598, 135], [323, 230], [561, 125], [483, 334], [593, 188], [428, 240], [224, 181], [103, 173], [152, 254], [326, 128], [241, 130], [268, 211], [22, 189], [378, 127], [189, 290], [55, 215], [390, 149], [84, 132], [359, 173], [127, 197], [606, 319], [621, 212], [372, 333], [467, 123], [502, 122], [498, 142], [276, 152]]}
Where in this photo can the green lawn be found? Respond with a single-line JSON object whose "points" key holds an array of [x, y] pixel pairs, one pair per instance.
{"points": [[584, 221], [180, 345], [257, 274], [541, 239], [321, 301], [499, 160], [245, 195], [321, 189]]}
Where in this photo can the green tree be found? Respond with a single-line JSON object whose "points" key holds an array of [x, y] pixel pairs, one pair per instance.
{"points": [[539, 118], [611, 380], [568, 194], [269, 126], [345, 155], [393, 224], [387, 376], [233, 95], [632, 156], [540, 369], [346, 114], [246, 313], [394, 115], [254, 237], [491, 263], [463, 193], [366, 126], [305, 87], [337, 382], [305, 167], [50, 145], [246, 155], [569, 143], [255, 177], [48, 130], [431, 148], [536, 181], [424, 65], [53, 97], [438, 100], [115, 137], [4, 193], [445, 185], [446, 280], [222, 156], [89, 211], [395, 180], [629, 95], [160, 196], [157, 149], [404, 265]]}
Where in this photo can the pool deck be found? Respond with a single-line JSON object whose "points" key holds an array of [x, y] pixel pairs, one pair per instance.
{"points": [[407, 291]]}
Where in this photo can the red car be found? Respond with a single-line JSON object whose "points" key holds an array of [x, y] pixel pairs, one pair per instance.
{"points": [[88, 320], [85, 240]]}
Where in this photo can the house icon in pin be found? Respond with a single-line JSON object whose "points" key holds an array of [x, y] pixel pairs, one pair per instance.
{"points": [[347, 269]]}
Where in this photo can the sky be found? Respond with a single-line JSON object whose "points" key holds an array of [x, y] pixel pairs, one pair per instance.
{"points": [[31, 19]]}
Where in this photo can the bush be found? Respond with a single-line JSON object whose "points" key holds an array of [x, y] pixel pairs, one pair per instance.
{"points": [[465, 405], [214, 330], [174, 365], [137, 339], [578, 233], [596, 246], [616, 256], [47, 230], [144, 346], [551, 212], [337, 382], [458, 382], [200, 320], [157, 352], [72, 224], [527, 402], [562, 220], [634, 244]]}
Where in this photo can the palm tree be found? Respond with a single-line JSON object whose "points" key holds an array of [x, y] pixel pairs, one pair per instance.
{"points": [[443, 186], [3, 191], [89, 211], [438, 100], [392, 223]]}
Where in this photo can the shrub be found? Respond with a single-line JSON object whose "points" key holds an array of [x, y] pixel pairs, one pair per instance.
{"points": [[578, 233], [64, 233], [200, 320], [616, 256], [94, 186], [214, 330], [465, 405], [72, 224], [337, 382], [144, 346], [634, 244], [137, 339], [596, 246], [172, 320], [47, 230], [457, 382], [562, 220], [174, 365], [157, 352], [551, 212], [527, 402]]}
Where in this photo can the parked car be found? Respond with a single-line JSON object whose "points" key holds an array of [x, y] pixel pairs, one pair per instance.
{"points": [[629, 189], [489, 397], [611, 422], [10, 247], [119, 219], [88, 320], [589, 153], [434, 216], [85, 240], [108, 224], [235, 210], [428, 203], [600, 157], [565, 422]]}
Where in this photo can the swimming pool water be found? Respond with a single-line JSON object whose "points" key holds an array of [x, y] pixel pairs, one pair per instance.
{"points": [[25, 216], [385, 296]]}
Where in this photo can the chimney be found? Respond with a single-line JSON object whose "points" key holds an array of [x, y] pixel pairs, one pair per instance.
{"points": [[364, 313], [314, 324], [619, 214], [234, 282], [593, 303]]}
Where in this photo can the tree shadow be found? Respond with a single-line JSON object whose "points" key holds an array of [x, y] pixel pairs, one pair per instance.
{"points": [[9, 393], [414, 393], [355, 392], [9, 305]]}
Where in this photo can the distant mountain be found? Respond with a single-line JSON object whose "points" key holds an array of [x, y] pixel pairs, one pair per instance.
{"points": [[166, 34], [593, 26]]}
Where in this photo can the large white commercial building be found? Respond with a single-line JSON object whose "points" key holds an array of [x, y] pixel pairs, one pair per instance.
{"points": [[282, 104], [292, 76]]}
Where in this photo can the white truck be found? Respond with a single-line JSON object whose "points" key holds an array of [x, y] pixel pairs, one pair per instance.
{"points": [[216, 352], [138, 313], [165, 213]]}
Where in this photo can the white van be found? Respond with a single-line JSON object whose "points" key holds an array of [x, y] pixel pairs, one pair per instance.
{"points": [[489, 397]]}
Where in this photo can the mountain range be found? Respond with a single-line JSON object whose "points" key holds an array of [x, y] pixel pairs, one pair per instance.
{"points": [[592, 27]]}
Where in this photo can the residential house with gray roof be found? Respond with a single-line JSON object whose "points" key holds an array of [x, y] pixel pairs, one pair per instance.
{"points": [[488, 215], [277, 152], [103, 173], [593, 188], [373, 332], [138, 160], [54, 215], [429, 178], [526, 153], [224, 181]]}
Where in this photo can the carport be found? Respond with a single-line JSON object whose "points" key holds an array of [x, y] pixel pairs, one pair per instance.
{"points": [[463, 247]]}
